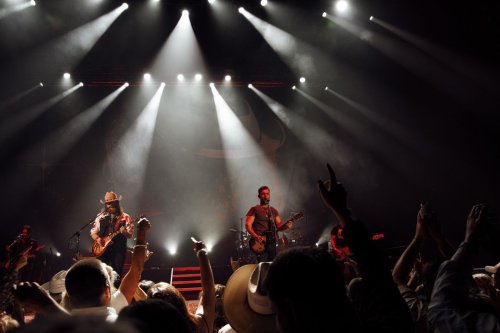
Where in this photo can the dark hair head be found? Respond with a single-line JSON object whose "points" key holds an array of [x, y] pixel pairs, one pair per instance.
{"points": [[298, 279], [262, 188], [85, 283], [168, 293], [154, 315]]}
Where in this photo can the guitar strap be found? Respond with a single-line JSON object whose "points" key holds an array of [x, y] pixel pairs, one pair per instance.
{"points": [[272, 225], [118, 219]]}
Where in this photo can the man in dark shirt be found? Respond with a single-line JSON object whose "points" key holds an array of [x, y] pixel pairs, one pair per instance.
{"points": [[25, 244], [262, 223]]}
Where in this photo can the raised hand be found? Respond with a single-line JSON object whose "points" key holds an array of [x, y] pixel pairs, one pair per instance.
{"points": [[475, 222], [333, 193], [34, 296], [198, 245]]}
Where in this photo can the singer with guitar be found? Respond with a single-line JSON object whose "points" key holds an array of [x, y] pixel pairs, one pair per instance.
{"points": [[110, 231], [262, 223]]}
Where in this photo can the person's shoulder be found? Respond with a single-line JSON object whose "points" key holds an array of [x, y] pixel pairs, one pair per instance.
{"points": [[251, 211]]}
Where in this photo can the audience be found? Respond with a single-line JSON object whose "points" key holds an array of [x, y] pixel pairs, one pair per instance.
{"points": [[302, 290], [204, 317], [452, 308], [154, 316], [413, 277]]}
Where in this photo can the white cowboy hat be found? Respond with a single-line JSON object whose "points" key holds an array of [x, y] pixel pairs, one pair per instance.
{"points": [[55, 286], [246, 304]]}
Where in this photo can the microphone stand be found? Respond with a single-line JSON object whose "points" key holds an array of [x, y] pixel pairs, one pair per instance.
{"points": [[77, 235]]}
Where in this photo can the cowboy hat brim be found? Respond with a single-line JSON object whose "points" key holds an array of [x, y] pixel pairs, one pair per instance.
{"points": [[119, 198], [237, 311]]}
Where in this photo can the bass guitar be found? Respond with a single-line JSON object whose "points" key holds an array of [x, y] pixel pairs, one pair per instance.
{"points": [[258, 246]]}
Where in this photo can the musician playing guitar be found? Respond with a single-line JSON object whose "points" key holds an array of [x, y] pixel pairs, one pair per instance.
{"points": [[263, 222], [111, 229]]}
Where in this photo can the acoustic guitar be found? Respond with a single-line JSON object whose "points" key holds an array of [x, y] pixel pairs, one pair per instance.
{"points": [[259, 246]]}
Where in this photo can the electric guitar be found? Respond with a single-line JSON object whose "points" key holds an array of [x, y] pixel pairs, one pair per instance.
{"points": [[100, 246], [259, 246]]}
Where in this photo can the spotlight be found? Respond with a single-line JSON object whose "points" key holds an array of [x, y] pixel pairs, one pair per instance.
{"points": [[326, 88], [41, 84], [211, 84], [124, 5], [147, 76], [180, 77], [172, 251], [127, 84], [341, 6], [294, 87], [58, 254], [66, 75], [263, 3], [324, 14], [80, 84], [33, 3], [227, 78], [185, 12], [211, 1], [198, 77], [317, 244], [371, 18], [250, 85], [163, 84], [241, 9], [302, 79]]}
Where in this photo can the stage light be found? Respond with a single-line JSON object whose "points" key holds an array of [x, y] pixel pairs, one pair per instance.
{"points": [[250, 85], [163, 83], [198, 77], [124, 5], [211, 1], [66, 75], [185, 12], [126, 84], [302, 79], [180, 77], [371, 18], [211, 85], [58, 254], [324, 14], [241, 9], [172, 251], [326, 88], [80, 84], [33, 3], [147, 76], [227, 78], [341, 6], [41, 84], [263, 3], [294, 87]]}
